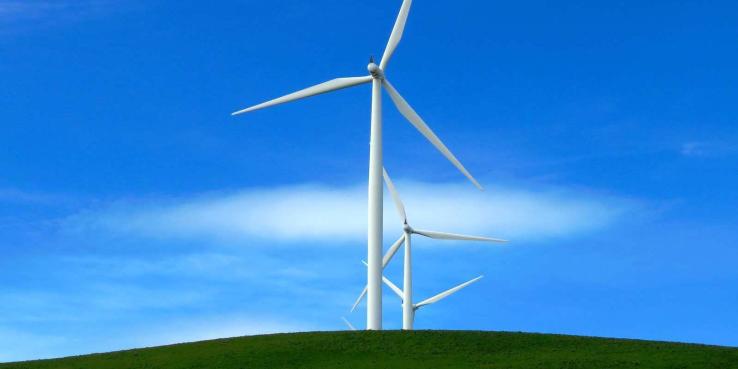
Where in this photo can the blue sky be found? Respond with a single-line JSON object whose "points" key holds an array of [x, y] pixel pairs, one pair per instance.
{"points": [[135, 211]]}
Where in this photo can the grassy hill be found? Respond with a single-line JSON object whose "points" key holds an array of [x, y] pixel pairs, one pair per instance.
{"points": [[419, 349]]}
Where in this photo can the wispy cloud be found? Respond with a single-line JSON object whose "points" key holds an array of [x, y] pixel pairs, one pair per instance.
{"points": [[219, 267], [216, 327], [152, 301], [337, 214], [24, 14], [704, 149], [693, 149], [15, 196], [30, 9], [99, 299], [21, 345]]}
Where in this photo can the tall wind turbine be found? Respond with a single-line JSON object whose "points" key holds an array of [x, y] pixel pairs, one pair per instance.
{"points": [[406, 293], [378, 79]]}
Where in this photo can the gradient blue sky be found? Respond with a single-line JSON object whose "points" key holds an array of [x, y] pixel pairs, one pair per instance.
{"points": [[135, 211]]}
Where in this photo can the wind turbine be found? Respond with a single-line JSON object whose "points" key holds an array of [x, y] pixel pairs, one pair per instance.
{"points": [[378, 79], [406, 293]]}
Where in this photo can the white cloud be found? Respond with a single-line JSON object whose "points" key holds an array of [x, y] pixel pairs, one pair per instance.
{"points": [[331, 215]]}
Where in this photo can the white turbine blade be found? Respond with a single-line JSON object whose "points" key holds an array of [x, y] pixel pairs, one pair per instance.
{"points": [[395, 196], [392, 251], [407, 111], [389, 284], [453, 236], [351, 326], [393, 287], [396, 35], [387, 258], [358, 301], [445, 294], [332, 85]]}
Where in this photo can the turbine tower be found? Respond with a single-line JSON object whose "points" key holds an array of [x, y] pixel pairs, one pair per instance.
{"points": [[378, 79], [406, 293]]}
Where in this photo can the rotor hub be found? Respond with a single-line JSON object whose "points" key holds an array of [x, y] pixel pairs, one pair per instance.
{"points": [[407, 228], [375, 71]]}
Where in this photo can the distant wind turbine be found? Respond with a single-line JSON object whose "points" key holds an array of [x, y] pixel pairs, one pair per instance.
{"points": [[406, 293], [378, 79]]}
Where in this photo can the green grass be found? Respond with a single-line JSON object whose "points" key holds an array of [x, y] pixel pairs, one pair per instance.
{"points": [[419, 349]]}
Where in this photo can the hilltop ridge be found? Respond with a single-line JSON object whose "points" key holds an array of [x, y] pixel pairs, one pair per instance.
{"points": [[416, 349]]}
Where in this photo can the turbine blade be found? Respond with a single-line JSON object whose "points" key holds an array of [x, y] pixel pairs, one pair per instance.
{"points": [[387, 258], [351, 326], [392, 251], [395, 196], [358, 301], [332, 85], [445, 294], [407, 111], [389, 284], [396, 34], [453, 236], [393, 287]]}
